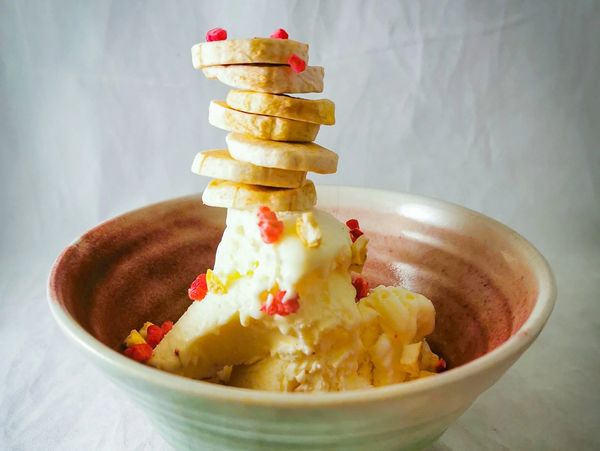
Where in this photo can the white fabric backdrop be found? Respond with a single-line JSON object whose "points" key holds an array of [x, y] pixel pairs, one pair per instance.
{"points": [[493, 105]]}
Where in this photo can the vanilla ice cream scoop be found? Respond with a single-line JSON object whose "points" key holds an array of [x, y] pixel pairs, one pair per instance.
{"points": [[325, 342]]}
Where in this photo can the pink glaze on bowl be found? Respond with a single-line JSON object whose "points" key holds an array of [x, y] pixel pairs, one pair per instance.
{"points": [[137, 267], [492, 292]]}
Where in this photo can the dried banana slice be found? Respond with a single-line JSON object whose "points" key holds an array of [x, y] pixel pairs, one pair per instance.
{"points": [[320, 111], [226, 194], [282, 155], [264, 127], [219, 164], [273, 79], [247, 51]]}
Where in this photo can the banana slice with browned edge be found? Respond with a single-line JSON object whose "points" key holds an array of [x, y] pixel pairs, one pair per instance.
{"points": [[247, 51], [226, 194], [282, 155], [264, 127], [265, 78], [218, 164], [321, 111]]}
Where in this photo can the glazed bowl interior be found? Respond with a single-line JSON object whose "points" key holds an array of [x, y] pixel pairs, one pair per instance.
{"points": [[479, 274]]}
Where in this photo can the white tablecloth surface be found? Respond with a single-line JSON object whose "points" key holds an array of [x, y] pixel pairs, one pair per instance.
{"points": [[493, 105]]}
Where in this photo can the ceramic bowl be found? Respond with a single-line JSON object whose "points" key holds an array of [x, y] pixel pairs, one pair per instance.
{"points": [[493, 293]]}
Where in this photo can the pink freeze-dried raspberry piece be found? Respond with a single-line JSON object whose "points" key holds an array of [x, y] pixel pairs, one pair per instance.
{"points": [[139, 353], [362, 287], [354, 234], [166, 326], [154, 335], [278, 307], [353, 224], [216, 34], [280, 33], [198, 289], [441, 365], [270, 227], [354, 227], [296, 63]]}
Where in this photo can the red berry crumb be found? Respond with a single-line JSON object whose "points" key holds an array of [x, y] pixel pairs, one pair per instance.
{"points": [[216, 34], [270, 227], [166, 326], [355, 233], [441, 365], [198, 289], [154, 335], [139, 353], [296, 63], [354, 227], [280, 33], [266, 214], [278, 307], [353, 224], [362, 287]]}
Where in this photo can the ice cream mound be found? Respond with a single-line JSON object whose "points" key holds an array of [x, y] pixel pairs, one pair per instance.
{"points": [[285, 307], [289, 315]]}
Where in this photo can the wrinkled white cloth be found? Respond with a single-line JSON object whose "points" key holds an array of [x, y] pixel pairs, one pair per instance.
{"points": [[493, 105]]}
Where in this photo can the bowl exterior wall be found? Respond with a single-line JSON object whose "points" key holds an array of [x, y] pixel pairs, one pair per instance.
{"points": [[405, 423]]}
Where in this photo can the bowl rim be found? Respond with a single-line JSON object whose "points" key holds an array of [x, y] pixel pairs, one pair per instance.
{"points": [[513, 346]]}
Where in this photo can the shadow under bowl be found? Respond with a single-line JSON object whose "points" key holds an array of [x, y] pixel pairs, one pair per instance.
{"points": [[492, 292]]}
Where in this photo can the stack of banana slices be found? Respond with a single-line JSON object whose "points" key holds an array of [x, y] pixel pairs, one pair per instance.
{"points": [[270, 146]]}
